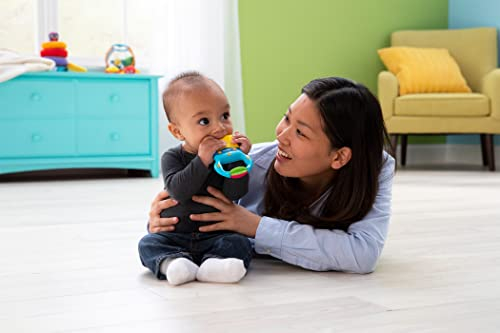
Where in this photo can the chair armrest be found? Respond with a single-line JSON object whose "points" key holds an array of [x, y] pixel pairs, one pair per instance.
{"points": [[491, 88], [387, 92]]}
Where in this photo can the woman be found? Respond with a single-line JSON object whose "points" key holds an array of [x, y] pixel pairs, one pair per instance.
{"points": [[320, 196]]}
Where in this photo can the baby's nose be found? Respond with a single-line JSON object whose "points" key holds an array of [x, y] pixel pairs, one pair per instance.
{"points": [[220, 129]]}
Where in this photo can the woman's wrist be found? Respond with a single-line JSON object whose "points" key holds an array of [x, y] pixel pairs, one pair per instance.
{"points": [[253, 225]]}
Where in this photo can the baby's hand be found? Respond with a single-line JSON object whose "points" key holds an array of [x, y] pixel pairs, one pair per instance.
{"points": [[243, 141], [208, 146]]}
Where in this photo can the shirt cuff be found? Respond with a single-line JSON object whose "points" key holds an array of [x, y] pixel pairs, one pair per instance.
{"points": [[269, 236]]}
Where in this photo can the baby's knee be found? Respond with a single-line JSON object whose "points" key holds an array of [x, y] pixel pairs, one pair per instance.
{"points": [[238, 240], [148, 241]]}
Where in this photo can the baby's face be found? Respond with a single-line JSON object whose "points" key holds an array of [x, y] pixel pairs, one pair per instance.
{"points": [[202, 112]]}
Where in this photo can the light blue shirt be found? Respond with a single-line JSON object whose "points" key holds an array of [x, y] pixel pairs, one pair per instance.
{"points": [[356, 250]]}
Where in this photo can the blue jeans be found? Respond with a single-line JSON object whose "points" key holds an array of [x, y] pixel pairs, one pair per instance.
{"points": [[195, 246]]}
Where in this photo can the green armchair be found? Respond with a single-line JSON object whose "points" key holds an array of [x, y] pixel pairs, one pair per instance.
{"points": [[475, 51]]}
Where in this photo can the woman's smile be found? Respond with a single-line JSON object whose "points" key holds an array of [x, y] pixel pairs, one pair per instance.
{"points": [[282, 156]]}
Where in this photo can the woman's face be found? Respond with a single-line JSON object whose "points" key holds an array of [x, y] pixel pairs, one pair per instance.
{"points": [[304, 150]]}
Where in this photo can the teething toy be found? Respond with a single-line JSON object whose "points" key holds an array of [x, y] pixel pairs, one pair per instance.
{"points": [[229, 154]]}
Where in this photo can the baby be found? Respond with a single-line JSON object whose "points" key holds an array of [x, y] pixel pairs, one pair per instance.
{"points": [[199, 115]]}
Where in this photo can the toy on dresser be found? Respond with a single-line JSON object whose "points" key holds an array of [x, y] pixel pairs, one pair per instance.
{"points": [[120, 59], [55, 50]]}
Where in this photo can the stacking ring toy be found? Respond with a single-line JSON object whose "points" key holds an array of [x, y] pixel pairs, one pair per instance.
{"points": [[230, 154]]}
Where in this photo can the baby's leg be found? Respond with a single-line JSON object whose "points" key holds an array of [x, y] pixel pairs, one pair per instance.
{"points": [[167, 256], [227, 260]]}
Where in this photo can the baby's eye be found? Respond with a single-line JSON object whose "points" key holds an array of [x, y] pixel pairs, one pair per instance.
{"points": [[226, 116], [299, 133], [285, 116], [204, 121]]}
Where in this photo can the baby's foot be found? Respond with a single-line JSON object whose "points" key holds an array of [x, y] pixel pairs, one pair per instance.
{"points": [[179, 270], [229, 270]]}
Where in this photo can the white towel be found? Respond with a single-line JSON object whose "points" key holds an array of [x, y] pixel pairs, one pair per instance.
{"points": [[13, 64]]}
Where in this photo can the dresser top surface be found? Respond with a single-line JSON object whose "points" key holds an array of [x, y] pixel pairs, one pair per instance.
{"points": [[91, 74]]}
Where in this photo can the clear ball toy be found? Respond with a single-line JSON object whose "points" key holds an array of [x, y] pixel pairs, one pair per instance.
{"points": [[119, 57]]}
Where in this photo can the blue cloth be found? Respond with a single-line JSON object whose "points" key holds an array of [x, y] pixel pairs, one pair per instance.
{"points": [[356, 250], [196, 246]]}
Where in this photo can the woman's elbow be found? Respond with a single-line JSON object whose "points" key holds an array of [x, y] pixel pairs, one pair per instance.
{"points": [[366, 266], [363, 265], [366, 262]]}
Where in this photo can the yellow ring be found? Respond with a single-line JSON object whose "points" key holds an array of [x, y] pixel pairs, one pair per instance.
{"points": [[54, 45]]}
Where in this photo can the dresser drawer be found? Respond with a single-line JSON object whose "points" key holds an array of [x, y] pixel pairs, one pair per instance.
{"points": [[53, 120], [117, 99], [23, 98], [113, 137], [28, 138]]}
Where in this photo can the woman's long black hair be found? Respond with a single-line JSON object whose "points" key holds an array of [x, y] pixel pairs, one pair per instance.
{"points": [[351, 117]]}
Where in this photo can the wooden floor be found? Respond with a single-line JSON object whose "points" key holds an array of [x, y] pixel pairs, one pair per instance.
{"points": [[69, 263]]}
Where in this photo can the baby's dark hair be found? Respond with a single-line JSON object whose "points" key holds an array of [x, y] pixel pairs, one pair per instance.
{"points": [[174, 88]]}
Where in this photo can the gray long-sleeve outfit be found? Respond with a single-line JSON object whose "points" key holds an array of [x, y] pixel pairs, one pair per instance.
{"points": [[185, 175]]}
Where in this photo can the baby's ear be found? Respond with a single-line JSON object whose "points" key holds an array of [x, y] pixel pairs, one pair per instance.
{"points": [[176, 132]]}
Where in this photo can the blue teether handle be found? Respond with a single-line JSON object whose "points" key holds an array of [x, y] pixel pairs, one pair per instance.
{"points": [[227, 156]]}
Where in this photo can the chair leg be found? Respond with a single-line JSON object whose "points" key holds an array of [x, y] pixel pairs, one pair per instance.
{"points": [[490, 151], [394, 145], [483, 149], [404, 144]]}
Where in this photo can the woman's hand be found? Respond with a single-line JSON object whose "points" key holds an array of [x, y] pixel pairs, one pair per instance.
{"points": [[157, 223], [231, 216]]}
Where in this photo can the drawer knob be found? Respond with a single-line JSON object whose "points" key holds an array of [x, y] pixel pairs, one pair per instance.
{"points": [[114, 98], [36, 97], [36, 137], [115, 136]]}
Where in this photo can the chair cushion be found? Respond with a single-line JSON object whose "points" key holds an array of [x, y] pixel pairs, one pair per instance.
{"points": [[423, 70], [442, 105]]}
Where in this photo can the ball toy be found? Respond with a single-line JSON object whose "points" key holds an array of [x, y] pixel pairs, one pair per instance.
{"points": [[120, 59]]}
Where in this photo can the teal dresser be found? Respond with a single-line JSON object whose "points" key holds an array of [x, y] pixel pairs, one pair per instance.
{"points": [[58, 120]]}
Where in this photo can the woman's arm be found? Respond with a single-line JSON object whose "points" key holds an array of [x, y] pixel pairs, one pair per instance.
{"points": [[302, 245], [356, 250], [231, 216]]}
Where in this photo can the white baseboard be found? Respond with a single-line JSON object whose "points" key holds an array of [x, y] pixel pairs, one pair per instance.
{"points": [[444, 154]]}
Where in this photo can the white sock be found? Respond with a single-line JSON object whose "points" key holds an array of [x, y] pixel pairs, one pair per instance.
{"points": [[179, 270], [229, 270]]}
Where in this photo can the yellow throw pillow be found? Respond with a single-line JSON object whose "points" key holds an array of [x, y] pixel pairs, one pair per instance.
{"points": [[423, 70]]}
